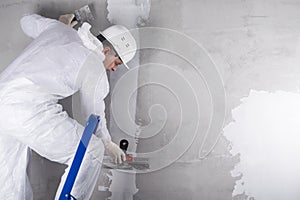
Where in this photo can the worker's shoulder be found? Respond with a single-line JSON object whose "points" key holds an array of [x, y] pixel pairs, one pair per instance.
{"points": [[64, 37], [60, 32]]}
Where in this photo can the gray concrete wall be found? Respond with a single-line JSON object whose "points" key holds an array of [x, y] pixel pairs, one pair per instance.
{"points": [[185, 82], [253, 45]]}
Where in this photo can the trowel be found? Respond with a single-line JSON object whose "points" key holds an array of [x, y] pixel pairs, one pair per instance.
{"points": [[84, 14], [132, 162]]}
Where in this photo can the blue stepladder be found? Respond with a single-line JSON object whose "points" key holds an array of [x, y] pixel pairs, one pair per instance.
{"points": [[90, 128]]}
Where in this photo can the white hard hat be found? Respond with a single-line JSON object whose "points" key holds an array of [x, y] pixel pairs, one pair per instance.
{"points": [[122, 41]]}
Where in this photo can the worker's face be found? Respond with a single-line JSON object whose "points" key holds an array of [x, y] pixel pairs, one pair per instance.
{"points": [[111, 62]]}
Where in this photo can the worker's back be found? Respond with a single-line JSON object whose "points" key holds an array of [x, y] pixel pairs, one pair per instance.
{"points": [[52, 61], [49, 69]]}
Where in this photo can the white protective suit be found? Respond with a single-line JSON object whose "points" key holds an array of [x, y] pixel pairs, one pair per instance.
{"points": [[49, 69]]}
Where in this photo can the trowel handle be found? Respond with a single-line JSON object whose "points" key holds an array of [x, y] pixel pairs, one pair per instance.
{"points": [[124, 145], [74, 19]]}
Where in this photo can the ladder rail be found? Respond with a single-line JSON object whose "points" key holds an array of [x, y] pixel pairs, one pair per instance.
{"points": [[90, 128]]}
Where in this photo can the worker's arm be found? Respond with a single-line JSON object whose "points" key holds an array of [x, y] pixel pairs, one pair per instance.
{"points": [[33, 25], [102, 131], [94, 87], [112, 149]]}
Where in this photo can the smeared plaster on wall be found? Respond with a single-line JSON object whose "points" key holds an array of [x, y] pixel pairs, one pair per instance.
{"points": [[128, 12], [265, 134]]}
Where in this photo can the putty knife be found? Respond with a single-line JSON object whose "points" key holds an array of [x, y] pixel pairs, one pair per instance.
{"points": [[84, 14]]}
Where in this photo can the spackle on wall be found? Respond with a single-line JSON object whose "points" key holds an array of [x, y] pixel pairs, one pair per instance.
{"points": [[266, 134], [129, 13], [132, 14]]}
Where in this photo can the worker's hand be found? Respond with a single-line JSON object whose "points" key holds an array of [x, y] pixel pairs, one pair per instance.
{"points": [[67, 19], [115, 152]]}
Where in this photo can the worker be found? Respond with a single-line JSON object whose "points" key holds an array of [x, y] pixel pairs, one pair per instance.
{"points": [[48, 70]]}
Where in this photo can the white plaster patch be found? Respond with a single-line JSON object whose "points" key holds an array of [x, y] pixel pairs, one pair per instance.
{"points": [[266, 135]]}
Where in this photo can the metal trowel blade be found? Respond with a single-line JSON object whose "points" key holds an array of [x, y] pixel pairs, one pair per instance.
{"points": [[137, 164], [84, 14]]}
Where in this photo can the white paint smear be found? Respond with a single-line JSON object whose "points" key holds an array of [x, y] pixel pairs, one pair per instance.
{"points": [[266, 135]]}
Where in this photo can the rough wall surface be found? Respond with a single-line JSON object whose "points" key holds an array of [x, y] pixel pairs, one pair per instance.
{"points": [[254, 45]]}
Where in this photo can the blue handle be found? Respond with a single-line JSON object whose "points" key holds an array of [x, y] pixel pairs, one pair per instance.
{"points": [[90, 128]]}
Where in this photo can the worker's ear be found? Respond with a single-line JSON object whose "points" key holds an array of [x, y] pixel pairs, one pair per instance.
{"points": [[106, 50]]}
